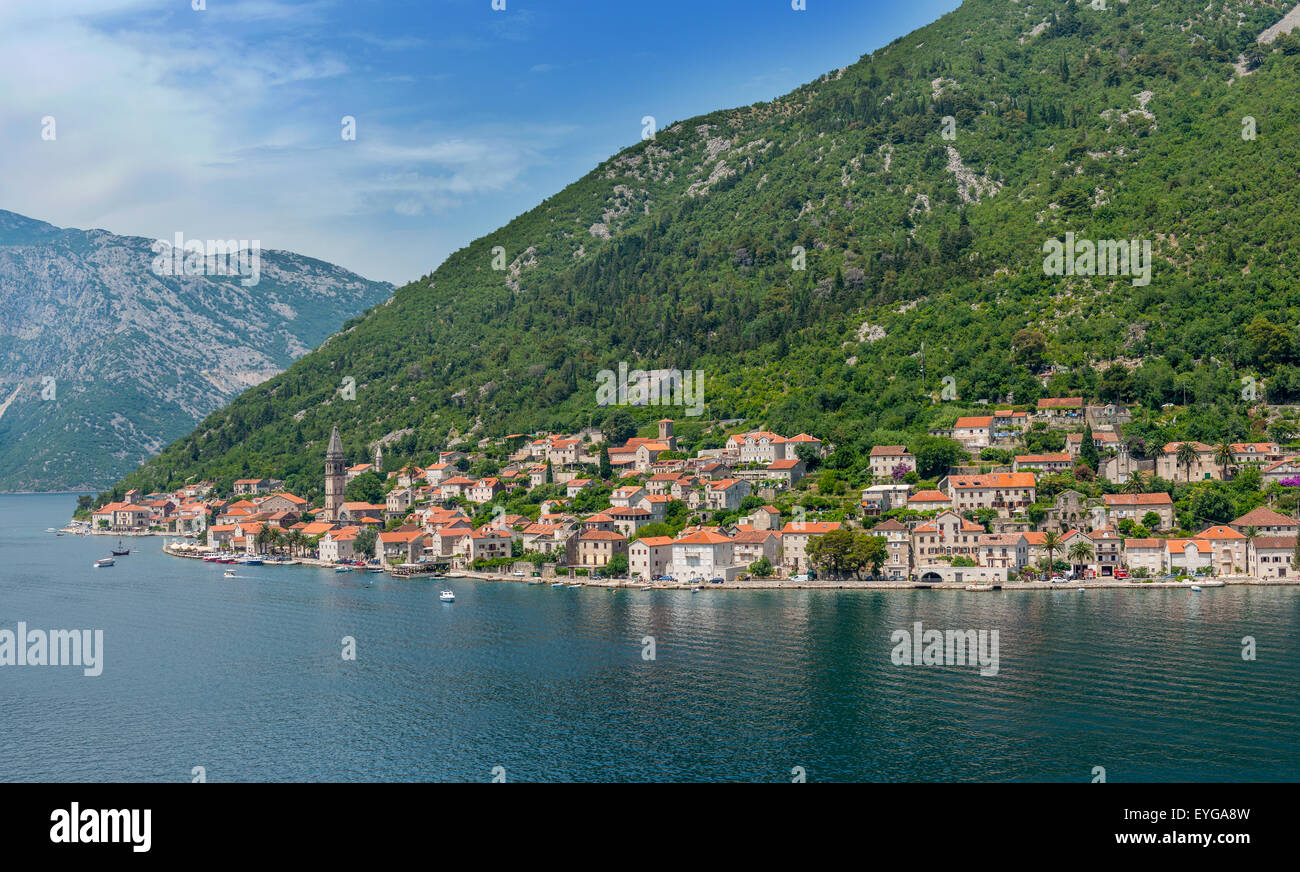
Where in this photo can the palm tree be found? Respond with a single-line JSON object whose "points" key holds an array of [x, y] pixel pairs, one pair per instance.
{"points": [[1223, 456], [1136, 483], [1252, 531], [1186, 456], [1081, 552], [1051, 544]]}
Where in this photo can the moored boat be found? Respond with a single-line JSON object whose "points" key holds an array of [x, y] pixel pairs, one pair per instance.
{"points": [[447, 596], [104, 561]]}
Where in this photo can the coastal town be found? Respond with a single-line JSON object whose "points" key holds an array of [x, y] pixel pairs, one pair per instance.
{"points": [[764, 509]]}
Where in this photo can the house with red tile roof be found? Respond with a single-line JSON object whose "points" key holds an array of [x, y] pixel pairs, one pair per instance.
{"points": [[1271, 557], [1135, 506], [794, 542], [1265, 522], [973, 431], [885, 458], [929, 501], [1007, 492], [949, 535]]}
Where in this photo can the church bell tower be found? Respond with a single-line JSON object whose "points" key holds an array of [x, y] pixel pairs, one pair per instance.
{"points": [[335, 476]]}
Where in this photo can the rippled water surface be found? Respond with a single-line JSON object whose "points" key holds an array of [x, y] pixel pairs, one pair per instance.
{"points": [[244, 677]]}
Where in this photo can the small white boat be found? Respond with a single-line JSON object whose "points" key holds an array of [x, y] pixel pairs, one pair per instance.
{"points": [[557, 584], [1196, 588], [229, 573], [343, 569], [573, 585], [104, 561], [695, 590], [447, 596], [1083, 590], [50, 530]]}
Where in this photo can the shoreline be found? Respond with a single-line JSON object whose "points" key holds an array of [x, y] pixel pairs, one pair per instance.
{"points": [[828, 584]]}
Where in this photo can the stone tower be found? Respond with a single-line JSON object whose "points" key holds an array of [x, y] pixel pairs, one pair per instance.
{"points": [[335, 476], [666, 433], [379, 459]]}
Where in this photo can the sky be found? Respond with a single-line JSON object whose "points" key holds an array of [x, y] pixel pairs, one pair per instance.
{"points": [[151, 118]]}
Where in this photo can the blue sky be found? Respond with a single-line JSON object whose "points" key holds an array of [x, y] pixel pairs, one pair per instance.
{"points": [[225, 122]]}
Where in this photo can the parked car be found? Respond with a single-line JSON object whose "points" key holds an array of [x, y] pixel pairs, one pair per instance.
{"points": [[716, 580], [803, 576], [599, 576], [1058, 579]]}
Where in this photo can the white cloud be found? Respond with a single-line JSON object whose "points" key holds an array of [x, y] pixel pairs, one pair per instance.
{"points": [[162, 128]]}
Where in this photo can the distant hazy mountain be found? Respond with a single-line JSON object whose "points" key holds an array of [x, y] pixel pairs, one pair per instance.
{"points": [[103, 361]]}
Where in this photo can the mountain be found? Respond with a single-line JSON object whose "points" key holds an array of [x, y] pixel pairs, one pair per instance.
{"points": [[925, 188], [103, 361]]}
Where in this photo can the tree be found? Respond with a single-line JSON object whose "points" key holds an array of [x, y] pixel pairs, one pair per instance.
{"points": [[367, 487], [761, 568], [619, 427], [1051, 544], [606, 469], [1223, 456], [936, 455], [809, 454], [1210, 506], [550, 475], [869, 551], [1081, 552], [1151, 520], [617, 566], [1136, 484], [1185, 456], [1088, 449], [1028, 348], [364, 542]]}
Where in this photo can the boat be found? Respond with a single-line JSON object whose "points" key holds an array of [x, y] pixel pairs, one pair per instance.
{"points": [[1196, 588], [1083, 590], [343, 569], [557, 584], [695, 590], [50, 530], [104, 561], [119, 551], [229, 573], [375, 569], [574, 585], [447, 596], [250, 561]]}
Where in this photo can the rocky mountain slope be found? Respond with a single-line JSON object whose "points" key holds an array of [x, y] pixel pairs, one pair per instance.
{"points": [[103, 362]]}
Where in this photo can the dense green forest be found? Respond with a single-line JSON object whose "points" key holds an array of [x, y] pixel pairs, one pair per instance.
{"points": [[916, 189]]}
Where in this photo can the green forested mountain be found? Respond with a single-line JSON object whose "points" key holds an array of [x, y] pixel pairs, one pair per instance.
{"points": [[1164, 123]]}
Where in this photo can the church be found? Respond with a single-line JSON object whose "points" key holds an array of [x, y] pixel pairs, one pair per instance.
{"points": [[336, 476]]}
